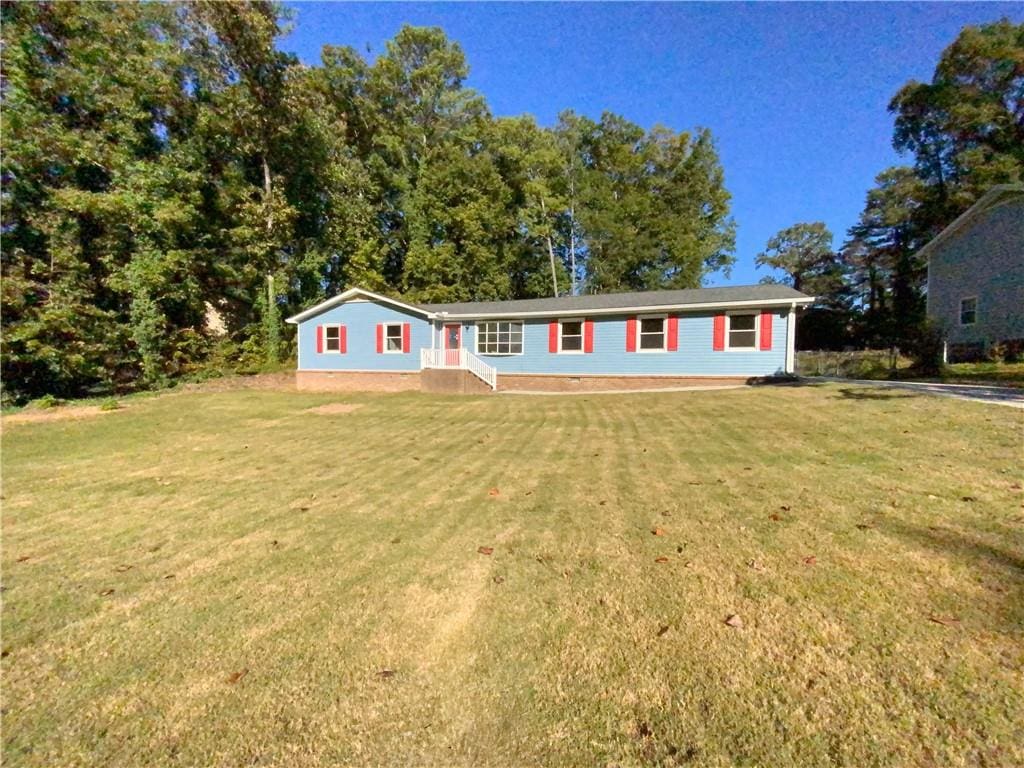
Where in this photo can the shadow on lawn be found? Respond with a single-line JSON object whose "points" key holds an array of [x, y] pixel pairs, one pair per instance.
{"points": [[873, 393], [1001, 567]]}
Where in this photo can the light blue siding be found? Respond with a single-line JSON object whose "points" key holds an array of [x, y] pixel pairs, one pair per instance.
{"points": [[360, 319], [695, 356]]}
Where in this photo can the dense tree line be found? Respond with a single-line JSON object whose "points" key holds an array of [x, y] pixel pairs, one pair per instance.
{"points": [[964, 132], [163, 161]]}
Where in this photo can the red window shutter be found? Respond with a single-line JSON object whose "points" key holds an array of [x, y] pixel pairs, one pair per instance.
{"points": [[631, 334], [588, 336], [342, 339], [766, 331], [380, 338], [406, 337], [673, 333], [319, 339], [553, 337], [719, 338]]}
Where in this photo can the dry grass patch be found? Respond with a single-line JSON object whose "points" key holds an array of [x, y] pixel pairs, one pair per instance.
{"points": [[334, 409], [316, 592]]}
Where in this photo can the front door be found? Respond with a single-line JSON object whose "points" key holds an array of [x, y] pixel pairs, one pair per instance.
{"points": [[452, 344]]}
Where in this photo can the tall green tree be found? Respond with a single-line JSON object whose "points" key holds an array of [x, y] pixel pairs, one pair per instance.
{"points": [[964, 131], [654, 211], [802, 256], [101, 275]]}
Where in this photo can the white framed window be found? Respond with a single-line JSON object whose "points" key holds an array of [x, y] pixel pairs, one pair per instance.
{"points": [[651, 334], [570, 336], [392, 338], [332, 338], [969, 310], [741, 330], [499, 337]]}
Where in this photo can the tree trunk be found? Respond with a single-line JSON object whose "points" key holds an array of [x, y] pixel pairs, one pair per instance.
{"points": [[551, 250], [572, 234], [267, 191]]}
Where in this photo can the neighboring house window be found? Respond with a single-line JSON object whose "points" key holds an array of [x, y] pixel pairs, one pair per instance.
{"points": [[393, 337], [504, 337], [570, 336], [742, 331], [332, 338], [651, 331], [968, 311]]}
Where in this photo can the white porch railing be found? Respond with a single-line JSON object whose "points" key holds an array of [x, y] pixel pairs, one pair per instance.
{"points": [[462, 359]]}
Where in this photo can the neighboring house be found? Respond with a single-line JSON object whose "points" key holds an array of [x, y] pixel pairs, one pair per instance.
{"points": [[976, 276], [361, 340]]}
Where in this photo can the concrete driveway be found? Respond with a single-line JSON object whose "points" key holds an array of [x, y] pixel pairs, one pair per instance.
{"points": [[979, 393]]}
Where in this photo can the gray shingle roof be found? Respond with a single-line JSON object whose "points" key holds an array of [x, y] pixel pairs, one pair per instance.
{"points": [[607, 301]]}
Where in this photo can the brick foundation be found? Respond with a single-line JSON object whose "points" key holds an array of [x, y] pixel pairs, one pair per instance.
{"points": [[511, 382], [357, 381], [451, 381]]}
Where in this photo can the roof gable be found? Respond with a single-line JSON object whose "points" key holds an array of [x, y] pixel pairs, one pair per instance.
{"points": [[998, 195], [353, 293]]}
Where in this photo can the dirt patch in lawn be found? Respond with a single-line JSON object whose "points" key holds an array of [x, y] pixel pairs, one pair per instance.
{"points": [[54, 414], [333, 409]]}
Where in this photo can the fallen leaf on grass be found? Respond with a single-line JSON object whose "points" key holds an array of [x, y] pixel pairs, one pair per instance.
{"points": [[865, 526], [499, 579], [493, 492], [968, 498], [234, 677], [775, 517], [23, 558], [946, 621], [666, 513], [396, 540], [123, 568], [732, 620], [169, 576], [662, 629], [386, 673], [810, 560], [485, 550], [784, 507], [757, 566], [657, 531], [106, 592], [661, 559]]}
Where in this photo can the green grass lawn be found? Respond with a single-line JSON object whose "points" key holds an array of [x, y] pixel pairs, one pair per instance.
{"points": [[234, 579]]}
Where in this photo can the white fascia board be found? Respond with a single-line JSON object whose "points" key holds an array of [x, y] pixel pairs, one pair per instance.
{"points": [[351, 293], [629, 310]]}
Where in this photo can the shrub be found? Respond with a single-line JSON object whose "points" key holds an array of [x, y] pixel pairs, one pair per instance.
{"points": [[46, 401], [928, 345]]}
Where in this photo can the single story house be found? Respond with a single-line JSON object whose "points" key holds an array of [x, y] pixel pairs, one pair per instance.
{"points": [[362, 340], [976, 276]]}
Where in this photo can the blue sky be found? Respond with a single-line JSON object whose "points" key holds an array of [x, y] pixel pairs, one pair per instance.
{"points": [[795, 94]]}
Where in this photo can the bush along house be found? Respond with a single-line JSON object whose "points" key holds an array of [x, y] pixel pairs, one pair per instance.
{"points": [[361, 340]]}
